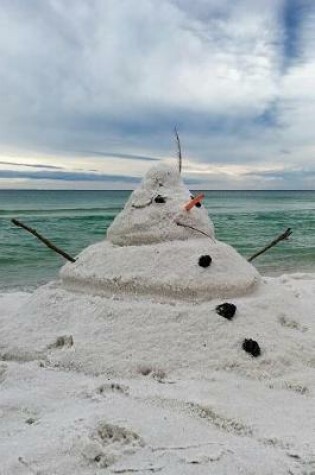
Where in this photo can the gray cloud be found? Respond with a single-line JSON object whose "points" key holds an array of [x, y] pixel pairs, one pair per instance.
{"points": [[127, 156], [67, 176], [78, 77], [290, 179], [20, 164]]}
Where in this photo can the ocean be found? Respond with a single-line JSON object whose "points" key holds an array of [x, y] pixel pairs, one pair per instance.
{"points": [[74, 219]]}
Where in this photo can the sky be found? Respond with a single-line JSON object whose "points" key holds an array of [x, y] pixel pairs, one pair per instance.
{"points": [[91, 90]]}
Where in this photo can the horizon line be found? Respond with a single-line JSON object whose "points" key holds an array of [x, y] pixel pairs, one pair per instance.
{"points": [[132, 189]]}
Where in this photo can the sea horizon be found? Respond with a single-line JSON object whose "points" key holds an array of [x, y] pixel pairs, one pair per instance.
{"points": [[132, 189]]}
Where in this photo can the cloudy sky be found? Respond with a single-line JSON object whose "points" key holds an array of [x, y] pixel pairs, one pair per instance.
{"points": [[90, 92]]}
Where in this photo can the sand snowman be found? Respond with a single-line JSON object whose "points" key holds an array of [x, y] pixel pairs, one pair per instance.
{"points": [[128, 365], [162, 244]]}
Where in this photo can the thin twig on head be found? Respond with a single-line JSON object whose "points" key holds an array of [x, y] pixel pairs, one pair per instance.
{"points": [[179, 150]]}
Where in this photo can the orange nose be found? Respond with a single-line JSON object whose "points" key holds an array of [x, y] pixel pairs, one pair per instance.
{"points": [[194, 201]]}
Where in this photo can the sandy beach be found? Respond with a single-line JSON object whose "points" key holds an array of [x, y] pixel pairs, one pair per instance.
{"points": [[125, 365], [186, 399]]}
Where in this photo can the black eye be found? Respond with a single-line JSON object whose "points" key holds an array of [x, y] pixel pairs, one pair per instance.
{"points": [[159, 199], [198, 205]]}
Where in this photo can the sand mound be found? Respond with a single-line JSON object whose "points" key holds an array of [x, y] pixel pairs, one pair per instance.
{"points": [[148, 253], [113, 336], [169, 270]]}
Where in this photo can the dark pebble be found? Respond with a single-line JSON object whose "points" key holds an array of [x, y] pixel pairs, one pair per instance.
{"points": [[251, 346], [30, 420], [205, 261], [159, 199], [226, 310]]}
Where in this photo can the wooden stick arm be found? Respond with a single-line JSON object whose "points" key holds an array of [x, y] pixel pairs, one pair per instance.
{"points": [[43, 240], [284, 236]]}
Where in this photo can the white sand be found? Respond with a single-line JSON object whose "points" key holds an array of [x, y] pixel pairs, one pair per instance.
{"points": [[124, 365], [167, 271], [204, 407]]}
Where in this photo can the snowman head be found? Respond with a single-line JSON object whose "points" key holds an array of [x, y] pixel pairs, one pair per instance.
{"points": [[153, 210]]}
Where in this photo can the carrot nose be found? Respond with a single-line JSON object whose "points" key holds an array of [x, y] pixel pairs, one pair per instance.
{"points": [[194, 201]]}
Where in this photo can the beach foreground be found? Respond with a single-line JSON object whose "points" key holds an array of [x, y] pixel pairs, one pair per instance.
{"points": [[137, 386]]}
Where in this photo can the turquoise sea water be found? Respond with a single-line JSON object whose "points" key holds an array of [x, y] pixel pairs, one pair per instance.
{"points": [[74, 219]]}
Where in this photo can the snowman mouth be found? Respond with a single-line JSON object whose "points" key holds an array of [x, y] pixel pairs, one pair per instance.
{"points": [[142, 205]]}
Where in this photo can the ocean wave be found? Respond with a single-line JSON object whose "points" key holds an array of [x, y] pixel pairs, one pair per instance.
{"points": [[59, 211]]}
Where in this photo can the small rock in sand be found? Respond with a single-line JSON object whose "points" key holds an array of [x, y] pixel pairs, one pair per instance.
{"points": [[251, 346], [144, 370], [30, 420], [226, 310], [62, 341]]}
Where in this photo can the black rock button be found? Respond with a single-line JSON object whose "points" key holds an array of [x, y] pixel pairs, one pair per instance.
{"points": [[205, 261], [251, 346], [226, 310], [159, 199]]}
